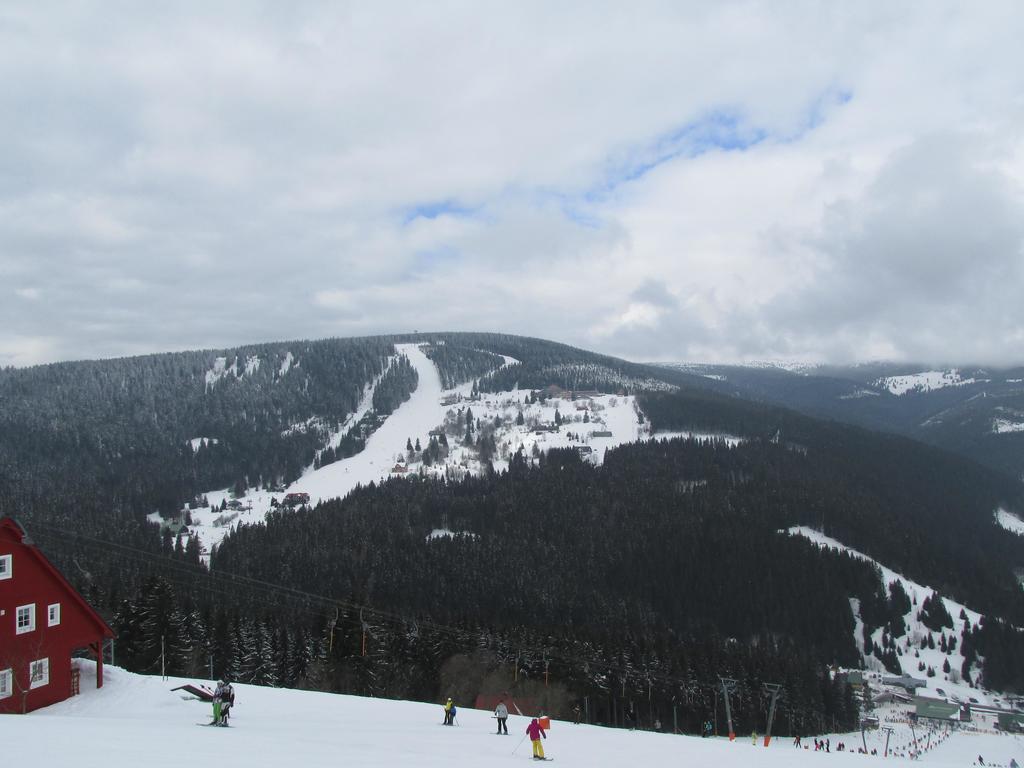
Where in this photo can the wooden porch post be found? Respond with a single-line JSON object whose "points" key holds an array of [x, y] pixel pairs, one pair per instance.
{"points": [[97, 648]]}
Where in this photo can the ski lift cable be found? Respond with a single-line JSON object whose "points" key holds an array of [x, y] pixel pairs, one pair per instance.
{"points": [[280, 592]]}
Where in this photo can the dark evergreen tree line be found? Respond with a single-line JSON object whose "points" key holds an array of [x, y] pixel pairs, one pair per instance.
{"points": [[921, 511], [395, 386], [458, 363]]}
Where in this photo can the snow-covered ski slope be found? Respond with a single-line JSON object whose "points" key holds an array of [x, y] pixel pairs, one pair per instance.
{"points": [[942, 685], [138, 721], [591, 424]]}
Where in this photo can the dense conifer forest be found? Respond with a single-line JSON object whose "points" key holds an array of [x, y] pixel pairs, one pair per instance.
{"points": [[633, 584]]}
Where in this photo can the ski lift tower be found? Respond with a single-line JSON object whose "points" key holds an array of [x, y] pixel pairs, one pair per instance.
{"points": [[774, 690], [728, 686]]}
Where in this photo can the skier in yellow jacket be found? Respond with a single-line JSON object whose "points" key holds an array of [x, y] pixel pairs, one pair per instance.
{"points": [[449, 712]]}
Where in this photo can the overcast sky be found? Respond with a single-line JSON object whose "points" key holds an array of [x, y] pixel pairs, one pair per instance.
{"points": [[826, 181]]}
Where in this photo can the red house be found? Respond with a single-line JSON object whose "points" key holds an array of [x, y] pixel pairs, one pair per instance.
{"points": [[43, 620]]}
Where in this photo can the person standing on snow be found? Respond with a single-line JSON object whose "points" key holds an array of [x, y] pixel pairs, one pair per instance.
{"points": [[221, 703], [501, 712], [536, 733], [449, 712], [227, 701]]}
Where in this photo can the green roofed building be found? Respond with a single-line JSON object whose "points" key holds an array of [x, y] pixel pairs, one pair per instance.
{"points": [[855, 678], [936, 709], [1012, 722]]}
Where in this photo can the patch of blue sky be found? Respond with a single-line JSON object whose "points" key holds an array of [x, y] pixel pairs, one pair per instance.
{"points": [[721, 130], [817, 112], [431, 258], [573, 206], [437, 208], [725, 129]]}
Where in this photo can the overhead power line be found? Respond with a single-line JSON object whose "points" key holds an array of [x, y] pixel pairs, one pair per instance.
{"points": [[223, 583]]}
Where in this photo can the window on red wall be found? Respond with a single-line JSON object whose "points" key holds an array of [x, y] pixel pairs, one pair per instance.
{"points": [[25, 620], [39, 673], [53, 615], [6, 566]]}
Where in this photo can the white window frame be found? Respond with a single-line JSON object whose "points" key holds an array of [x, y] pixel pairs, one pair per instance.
{"points": [[6, 567], [42, 668], [31, 626], [53, 615], [6, 683]]}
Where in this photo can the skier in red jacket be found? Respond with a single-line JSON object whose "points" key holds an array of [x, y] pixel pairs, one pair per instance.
{"points": [[536, 734]]}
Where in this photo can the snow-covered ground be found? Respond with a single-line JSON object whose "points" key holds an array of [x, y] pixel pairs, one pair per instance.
{"points": [[1007, 426], [1010, 521], [591, 424], [859, 393], [138, 721], [942, 685], [925, 381]]}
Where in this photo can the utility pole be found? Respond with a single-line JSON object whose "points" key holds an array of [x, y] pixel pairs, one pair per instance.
{"points": [[163, 665], [728, 686], [774, 690]]}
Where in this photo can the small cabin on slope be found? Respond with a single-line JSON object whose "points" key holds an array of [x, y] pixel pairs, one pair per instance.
{"points": [[43, 621]]}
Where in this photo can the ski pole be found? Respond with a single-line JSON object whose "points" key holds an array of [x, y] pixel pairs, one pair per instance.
{"points": [[519, 744]]}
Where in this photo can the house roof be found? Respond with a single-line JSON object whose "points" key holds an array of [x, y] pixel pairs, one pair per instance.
{"points": [[905, 681], [22, 537], [936, 708]]}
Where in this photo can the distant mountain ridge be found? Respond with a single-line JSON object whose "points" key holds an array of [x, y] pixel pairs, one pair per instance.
{"points": [[976, 412]]}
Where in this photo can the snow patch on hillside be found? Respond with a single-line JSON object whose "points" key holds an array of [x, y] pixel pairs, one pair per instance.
{"points": [[792, 366], [912, 654], [286, 364], [195, 442], [925, 381], [445, 533], [1009, 521], [219, 371], [312, 424], [859, 393], [1006, 426]]}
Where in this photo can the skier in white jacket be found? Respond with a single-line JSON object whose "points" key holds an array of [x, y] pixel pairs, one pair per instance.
{"points": [[501, 712]]}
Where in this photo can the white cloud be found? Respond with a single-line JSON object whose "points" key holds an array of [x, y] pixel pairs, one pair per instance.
{"points": [[801, 180]]}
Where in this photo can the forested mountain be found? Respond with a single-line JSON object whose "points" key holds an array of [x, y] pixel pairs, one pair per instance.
{"points": [[639, 580], [976, 412], [122, 430]]}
